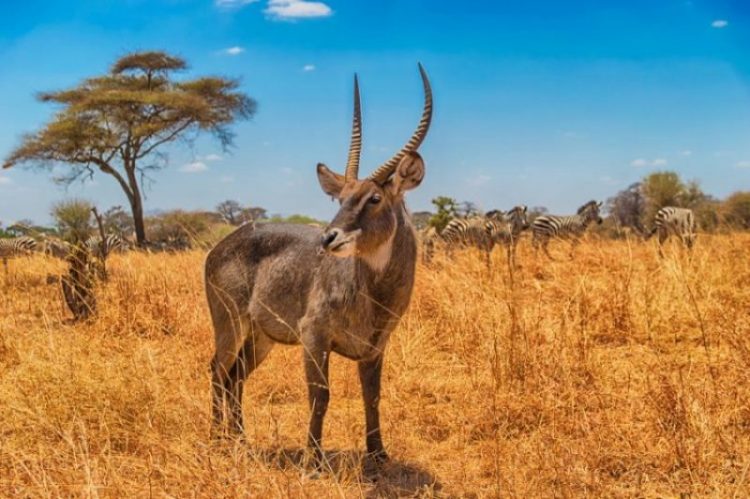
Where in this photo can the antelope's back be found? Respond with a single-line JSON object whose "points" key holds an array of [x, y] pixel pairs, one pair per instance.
{"points": [[275, 256]]}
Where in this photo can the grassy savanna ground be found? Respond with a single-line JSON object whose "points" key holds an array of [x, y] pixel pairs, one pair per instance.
{"points": [[616, 374]]}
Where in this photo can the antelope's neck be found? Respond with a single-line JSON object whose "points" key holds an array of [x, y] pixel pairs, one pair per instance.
{"points": [[396, 258]]}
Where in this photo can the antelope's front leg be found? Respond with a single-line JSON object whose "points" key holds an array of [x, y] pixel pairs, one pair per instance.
{"points": [[369, 377], [316, 371]]}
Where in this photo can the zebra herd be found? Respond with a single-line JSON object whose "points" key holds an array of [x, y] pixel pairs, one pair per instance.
{"points": [[481, 232], [57, 248], [506, 228]]}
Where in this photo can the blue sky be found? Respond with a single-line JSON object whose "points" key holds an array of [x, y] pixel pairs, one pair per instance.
{"points": [[547, 103]]}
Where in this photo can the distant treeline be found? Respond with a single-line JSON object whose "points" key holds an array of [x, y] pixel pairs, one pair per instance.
{"points": [[73, 219]]}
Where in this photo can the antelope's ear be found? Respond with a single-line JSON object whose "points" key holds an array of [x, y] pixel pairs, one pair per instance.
{"points": [[331, 182], [408, 174], [599, 204]]}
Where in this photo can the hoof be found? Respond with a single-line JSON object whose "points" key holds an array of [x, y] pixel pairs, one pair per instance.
{"points": [[379, 457]]}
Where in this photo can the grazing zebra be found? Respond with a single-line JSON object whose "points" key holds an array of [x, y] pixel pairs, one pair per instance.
{"points": [[15, 246], [469, 232], [506, 228], [112, 242], [428, 237], [572, 227], [56, 248], [61, 249], [679, 222]]}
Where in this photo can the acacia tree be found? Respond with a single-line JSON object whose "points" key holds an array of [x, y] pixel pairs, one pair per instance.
{"points": [[447, 209], [737, 209], [628, 206], [118, 123], [231, 211]]}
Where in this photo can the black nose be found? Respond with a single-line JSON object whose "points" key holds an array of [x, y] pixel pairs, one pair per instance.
{"points": [[328, 237]]}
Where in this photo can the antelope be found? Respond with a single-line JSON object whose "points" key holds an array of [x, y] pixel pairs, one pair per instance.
{"points": [[340, 290]]}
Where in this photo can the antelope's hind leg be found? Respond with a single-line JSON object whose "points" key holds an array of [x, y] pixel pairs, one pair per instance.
{"points": [[253, 352], [230, 332]]}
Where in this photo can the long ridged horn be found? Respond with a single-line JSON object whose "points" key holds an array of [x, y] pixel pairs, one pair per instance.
{"points": [[355, 147], [386, 169]]}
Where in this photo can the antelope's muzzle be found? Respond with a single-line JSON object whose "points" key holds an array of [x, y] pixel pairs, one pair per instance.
{"points": [[338, 242]]}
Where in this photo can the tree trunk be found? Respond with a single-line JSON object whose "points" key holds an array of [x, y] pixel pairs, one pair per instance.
{"points": [[78, 286], [140, 229], [136, 204]]}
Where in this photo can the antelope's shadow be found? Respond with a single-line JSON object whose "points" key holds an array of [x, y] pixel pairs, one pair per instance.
{"points": [[394, 478]]}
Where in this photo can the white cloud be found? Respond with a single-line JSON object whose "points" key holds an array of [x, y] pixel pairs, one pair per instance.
{"points": [[226, 179], [743, 164], [5, 180], [478, 180], [233, 50], [211, 157], [720, 23], [194, 167], [308, 67], [641, 162], [296, 9], [687, 152], [232, 4]]}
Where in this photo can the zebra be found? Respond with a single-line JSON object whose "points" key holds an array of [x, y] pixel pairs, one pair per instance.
{"points": [[15, 246], [679, 222], [506, 228], [572, 227], [112, 242], [56, 248], [428, 237], [469, 232]]}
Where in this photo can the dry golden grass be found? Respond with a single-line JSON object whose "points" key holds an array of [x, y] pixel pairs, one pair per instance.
{"points": [[617, 374]]}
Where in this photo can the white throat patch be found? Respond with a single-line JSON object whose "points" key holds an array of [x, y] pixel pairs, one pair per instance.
{"points": [[378, 259]]}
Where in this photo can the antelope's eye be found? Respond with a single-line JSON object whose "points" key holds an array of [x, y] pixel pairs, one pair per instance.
{"points": [[375, 199]]}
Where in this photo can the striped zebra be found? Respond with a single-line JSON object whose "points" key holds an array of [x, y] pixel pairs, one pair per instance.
{"points": [[56, 248], [15, 246], [112, 242], [670, 221], [546, 227], [428, 238], [506, 228], [469, 232]]}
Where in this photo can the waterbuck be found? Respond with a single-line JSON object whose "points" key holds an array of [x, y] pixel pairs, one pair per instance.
{"points": [[340, 290]]}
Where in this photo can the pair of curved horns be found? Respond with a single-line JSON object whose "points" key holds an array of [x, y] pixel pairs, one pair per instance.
{"points": [[385, 170]]}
